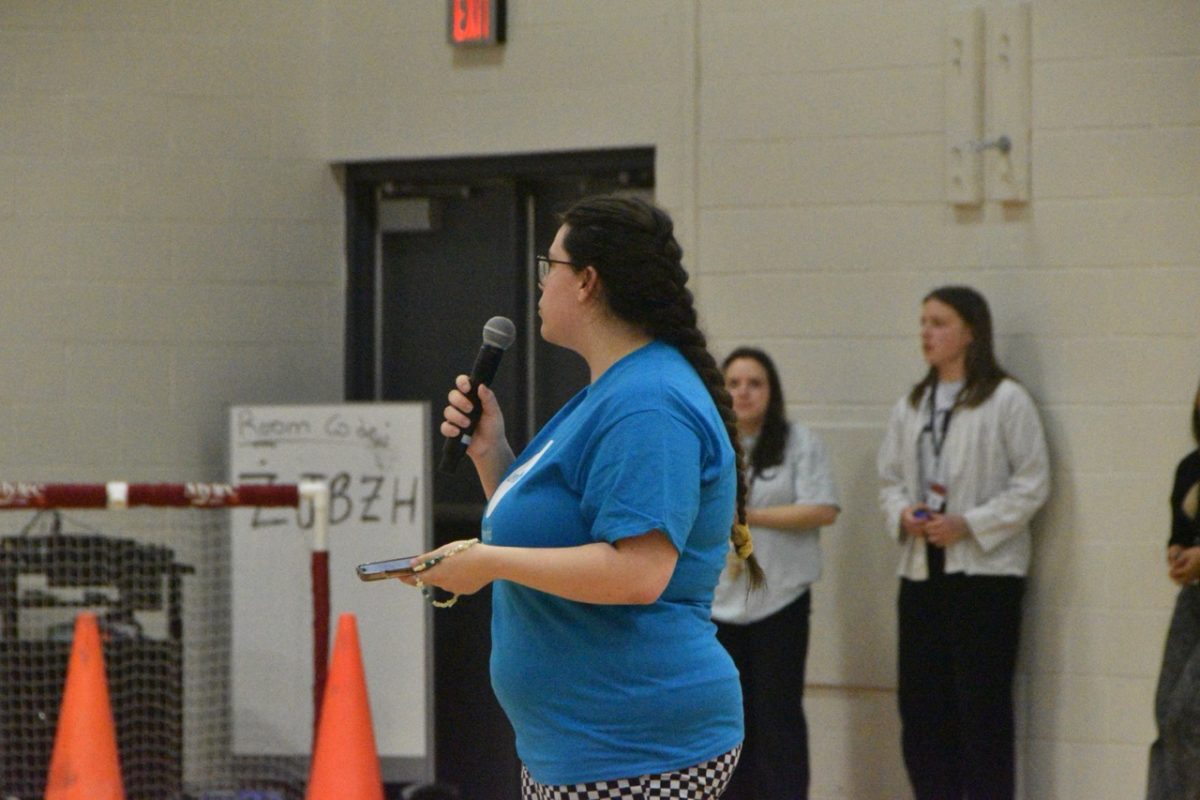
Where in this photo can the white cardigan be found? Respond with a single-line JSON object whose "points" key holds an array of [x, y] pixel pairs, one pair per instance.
{"points": [[998, 476]]}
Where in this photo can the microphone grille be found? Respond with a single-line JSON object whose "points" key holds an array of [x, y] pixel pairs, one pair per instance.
{"points": [[499, 332]]}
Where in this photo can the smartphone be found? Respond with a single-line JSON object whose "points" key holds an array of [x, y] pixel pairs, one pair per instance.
{"points": [[379, 570]]}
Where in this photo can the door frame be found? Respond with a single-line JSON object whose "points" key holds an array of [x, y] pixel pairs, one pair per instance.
{"points": [[364, 183]]}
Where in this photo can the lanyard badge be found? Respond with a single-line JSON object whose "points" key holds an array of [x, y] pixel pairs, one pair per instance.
{"points": [[935, 491]]}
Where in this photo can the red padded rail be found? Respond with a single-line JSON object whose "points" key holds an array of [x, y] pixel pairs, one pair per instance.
{"points": [[23, 494]]}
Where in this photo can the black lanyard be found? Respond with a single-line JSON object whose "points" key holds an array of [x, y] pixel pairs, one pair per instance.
{"points": [[933, 436]]}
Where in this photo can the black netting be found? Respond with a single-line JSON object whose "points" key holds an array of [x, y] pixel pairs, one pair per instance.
{"points": [[158, 582]]}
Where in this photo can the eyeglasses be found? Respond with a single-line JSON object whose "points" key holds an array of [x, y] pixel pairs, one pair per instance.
{"points": [[543, 266]]}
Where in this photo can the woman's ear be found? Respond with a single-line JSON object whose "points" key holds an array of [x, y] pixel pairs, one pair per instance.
{"points": [[589, 283]]}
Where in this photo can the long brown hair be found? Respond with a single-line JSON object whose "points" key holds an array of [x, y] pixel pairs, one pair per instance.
{"points": [[1196, 416], [772, 439], [983, 372], [631, 244]]}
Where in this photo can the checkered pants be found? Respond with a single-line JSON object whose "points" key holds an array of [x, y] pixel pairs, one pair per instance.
{"points": [[702, 782]]}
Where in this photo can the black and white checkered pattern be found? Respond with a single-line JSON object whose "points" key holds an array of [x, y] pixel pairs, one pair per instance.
{"points": [[702, 782]]}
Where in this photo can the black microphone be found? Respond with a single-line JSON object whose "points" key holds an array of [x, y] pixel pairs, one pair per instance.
{"points": [[498, 334]]}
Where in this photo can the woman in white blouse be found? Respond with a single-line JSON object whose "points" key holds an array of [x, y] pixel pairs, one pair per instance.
{"points": [[792, 496], [963, 468]]}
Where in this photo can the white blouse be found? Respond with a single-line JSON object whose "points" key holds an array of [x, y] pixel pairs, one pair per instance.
{"points": [[790, 559], [997, 473]]}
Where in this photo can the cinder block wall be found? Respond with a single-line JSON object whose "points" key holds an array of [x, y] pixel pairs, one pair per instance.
{"points": [[169, 232], [822, 222], [171, 236]]}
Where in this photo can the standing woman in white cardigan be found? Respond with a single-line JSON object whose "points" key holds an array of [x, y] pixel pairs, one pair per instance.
{"points": [[963, 468]]}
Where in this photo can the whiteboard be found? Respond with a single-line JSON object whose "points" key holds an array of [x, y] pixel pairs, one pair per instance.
{"points": [[375, 459]]}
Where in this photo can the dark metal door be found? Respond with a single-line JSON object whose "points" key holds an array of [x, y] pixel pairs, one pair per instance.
{"points": [[439, 287]]}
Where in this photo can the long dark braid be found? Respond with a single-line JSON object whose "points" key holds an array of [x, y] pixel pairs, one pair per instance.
{"points": [[631, 244]]}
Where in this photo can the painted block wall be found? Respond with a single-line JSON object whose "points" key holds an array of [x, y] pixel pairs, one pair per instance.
{"points": [[170, 230], [822, 224], [800, 148]]}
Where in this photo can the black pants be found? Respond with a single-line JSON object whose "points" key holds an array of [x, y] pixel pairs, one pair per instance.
{"points": [[1175, 754], [957, 657], [770, 656]]}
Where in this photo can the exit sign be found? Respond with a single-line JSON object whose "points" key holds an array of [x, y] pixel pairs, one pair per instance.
{"points": [[476, 22]]}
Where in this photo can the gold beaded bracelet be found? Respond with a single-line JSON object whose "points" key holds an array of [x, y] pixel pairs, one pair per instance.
{"points": [[429, 563]]}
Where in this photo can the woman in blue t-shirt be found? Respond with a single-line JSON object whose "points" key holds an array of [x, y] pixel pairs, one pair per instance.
{"points": [[605, 538]]}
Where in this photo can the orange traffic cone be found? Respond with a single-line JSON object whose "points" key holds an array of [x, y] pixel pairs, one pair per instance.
{"points": [[84, 764], [345, 764]]}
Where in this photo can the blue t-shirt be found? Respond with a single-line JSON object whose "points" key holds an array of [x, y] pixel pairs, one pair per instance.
{"points": [[599, 692]]}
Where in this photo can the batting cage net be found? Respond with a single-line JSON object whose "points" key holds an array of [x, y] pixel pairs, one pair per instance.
{"points": [[157, 579]]}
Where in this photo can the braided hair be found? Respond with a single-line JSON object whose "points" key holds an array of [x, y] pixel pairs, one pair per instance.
{"points": [[631, 245]]}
